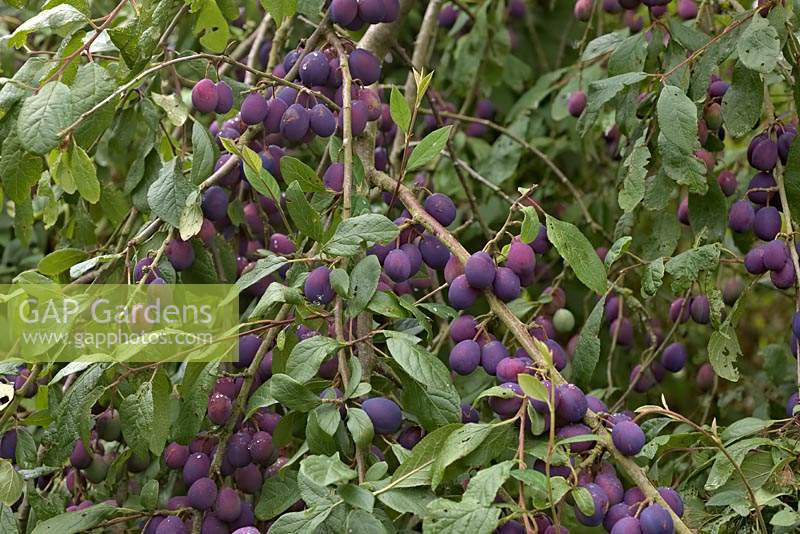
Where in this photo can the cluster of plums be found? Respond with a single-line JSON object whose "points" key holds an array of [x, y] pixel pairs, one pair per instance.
{"points": [[353, 14], [685, 9], [760, 212]]}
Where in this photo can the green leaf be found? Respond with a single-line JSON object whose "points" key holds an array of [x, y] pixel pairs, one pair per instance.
{"points": [[357, 497], [162, 422], [450, 517], [603, 91], [306, 357], [136, 415], [326, 470], [759, 47], [629, 56], [741, 105], [60, 260], [530, 224], [484, 485], [583, 500], [360, 426], [167, 196], [363, 284], [264, 267], [459, 444], [203, 154], [210, 25], [723, 351], [8, 520], [19, 169], [687, 266], [354, 233], [293, 169], [635, 171], [279, 9], [176, 110], [278, 493], [293, 394], [578, 253], [791, 176], [653, 277], [81, 520], [587, 351], [195, 392], [43, 116], [301, 522], [11, 483], [304, 217], [616, 251], [427, 149], [430, 395], [708, 212], [149, 495], [62, 19], [416, 469], [401, 113], [84, 174], [745, 427], [603, 44], [531, 387], [340, 281], [24, 80], [677, 141]]}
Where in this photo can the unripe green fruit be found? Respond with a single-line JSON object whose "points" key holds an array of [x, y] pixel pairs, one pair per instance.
{"points": [[108, 425], [713, 116], [563, 321], [97, 470]]}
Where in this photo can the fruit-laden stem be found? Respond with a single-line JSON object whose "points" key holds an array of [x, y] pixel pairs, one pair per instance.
{"points": [[520, 332]]}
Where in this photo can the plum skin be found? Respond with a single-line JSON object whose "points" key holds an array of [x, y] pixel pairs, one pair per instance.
{"points": [[384, 413]]}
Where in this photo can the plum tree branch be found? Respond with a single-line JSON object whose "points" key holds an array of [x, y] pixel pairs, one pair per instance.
{"points": [[524, 338]]}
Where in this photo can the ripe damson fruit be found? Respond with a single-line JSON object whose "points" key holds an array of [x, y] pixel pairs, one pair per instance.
{"points": [[461, 295], [248, 347], [314, 69], [463, 327], [321, 120], [654, 519], [577, 100], [317, 288], [754, 260], [441, 208], [228, 505], [140, 269], [507, 407], [600, 500], [727, 183], [492, 354], [741, 216], [521, 258], [175, 455], [254, 109], [764, 154], [673, 499], [767, 223], [506, 285], [572, 403], [364, 66], [628, 438], [465, 357], [108, 425], [220, 408], [776, 255], [785, 277], [577, 429], [508, 369], [248, 478], [480, 270], [409, 437], [626, 525], [674, 357], [196, 467], [397, 265], [80, 458], [612, 486], [343, 12], [238, 450], [224, 97], [204, 96], [615, 514], [761, 182], [433, 252], [295, 122], [215, 203], [260, 447], [334, 179], [180, 254], [384, 413], [202, 494], [371, 11], [171, 525], [700, 309]]}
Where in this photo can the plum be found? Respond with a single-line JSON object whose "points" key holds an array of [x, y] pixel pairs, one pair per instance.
{"points": [[754, 260], [80, 458], [741, 216], [142, 267], [180, 254], [196, 467], [248, 479], [364, 66], [452, 269], [276, 108], [205, 96], [616, 512], [563, 321], [521, 258], [237, 451], [202, 494], [317, 288], [596, 405], [228, 505], [558, 354], [612, 486], [314, 69], [384, 413], [577, 429], [762, 154], [448, 16], [796, 324], [767, 223], [244, 523], [254, 109], [572, 403], [673, 499], [8, 445], [541, 244], [600, 500], [506, 285], [785, 277], [679, 310], [469, 414], [700, 309], [794, 400], [220, 408], [674, 357], [441, 208], [507, 407], [643, 379], [321, 120], [343, 12], [465, 357], [434, 253], [634, 496], [508, 368], [655, 519], [480, 270], [492, 353], [761, 181], [175, 455], [248, 347], [215, 203], [410, 437], [776, 254], [224, 97], [683, 211], [171, 525], [576, 102], [260, 447], [295, 122], [705, 377], [727, 183], [628, 438], [622, 328], [212, 525], [626, 525], [461, 295], [334, 179], [397, 265]]}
